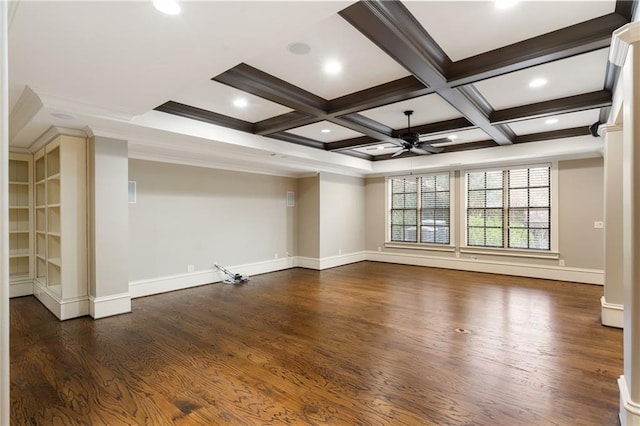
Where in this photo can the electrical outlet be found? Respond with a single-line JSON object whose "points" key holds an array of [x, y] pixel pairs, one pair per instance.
{"points": [[598, 224], [191, 268], [339, 251], [379, 248], [275, 256], [561, 262]]}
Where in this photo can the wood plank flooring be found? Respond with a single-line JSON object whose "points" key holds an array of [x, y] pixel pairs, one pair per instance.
{"points": [[363, 344]]}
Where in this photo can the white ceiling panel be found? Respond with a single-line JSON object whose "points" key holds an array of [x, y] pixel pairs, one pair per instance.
{"points": [[556, 122], [375, 150], [426, 109], [467, 28], [315, 131], [220, 98], [567, 77], [363, 64], [455, 138]]}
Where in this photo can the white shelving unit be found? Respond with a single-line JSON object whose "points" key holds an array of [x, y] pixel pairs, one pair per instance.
{"points": [[60, 227], [20, 219]]}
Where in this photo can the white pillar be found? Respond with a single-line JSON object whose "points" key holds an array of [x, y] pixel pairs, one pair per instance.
{"points": [[625, 52], [108, 171], [4, 213], [612, 302]]}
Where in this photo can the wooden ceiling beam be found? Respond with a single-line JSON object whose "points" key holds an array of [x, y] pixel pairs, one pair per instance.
{"points": [[574, 40], [554, 134], [251, 80], [391, 27], [601, 98], [204, 115]]}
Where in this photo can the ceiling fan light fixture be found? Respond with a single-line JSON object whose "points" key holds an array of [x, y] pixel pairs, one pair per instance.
{"points": [[168, 7]]}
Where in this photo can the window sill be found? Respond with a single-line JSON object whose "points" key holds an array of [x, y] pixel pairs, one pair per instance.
{"points": [[531, 254], [420, 246]]}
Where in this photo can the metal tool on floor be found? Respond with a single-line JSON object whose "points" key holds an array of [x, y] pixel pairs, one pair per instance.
{"points": [[230, 277]]}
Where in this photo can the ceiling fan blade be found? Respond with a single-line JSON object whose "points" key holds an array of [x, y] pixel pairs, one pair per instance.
{"points": [[430, 149], [419, 151], [398, 152]]}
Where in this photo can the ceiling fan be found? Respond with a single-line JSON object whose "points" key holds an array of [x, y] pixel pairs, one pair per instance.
{"points": [[410, 141]]}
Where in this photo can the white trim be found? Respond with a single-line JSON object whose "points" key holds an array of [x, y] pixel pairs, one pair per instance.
{"points": [[497, 251], [580, 275], [420, 246], [63, 309], [629, 410], [141, 288], [101, 307], [620, 41], [22, 288], [612, 314], [52, 133], [329, 262], [147, 287]]}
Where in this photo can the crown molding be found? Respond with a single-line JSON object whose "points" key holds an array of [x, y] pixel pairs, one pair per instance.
{"points": [[621, 39], [605, 129], [52, 133]]}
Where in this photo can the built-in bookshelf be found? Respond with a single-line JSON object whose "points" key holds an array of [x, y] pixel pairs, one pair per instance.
{"points": [[20, 218], [60, 226]]}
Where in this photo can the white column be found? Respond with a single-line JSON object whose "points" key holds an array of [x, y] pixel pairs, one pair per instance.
{"points": [[4, 213], [612, 302], [108, 165], [625, 52]]}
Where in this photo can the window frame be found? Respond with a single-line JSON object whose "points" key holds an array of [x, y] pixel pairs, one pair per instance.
{"points": [[418, 244], [553, 211]]}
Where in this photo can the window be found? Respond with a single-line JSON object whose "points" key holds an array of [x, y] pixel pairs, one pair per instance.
{"points": [[510, 208], [424, 199]]}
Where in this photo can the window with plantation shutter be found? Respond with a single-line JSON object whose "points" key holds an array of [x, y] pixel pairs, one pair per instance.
{"points": [[510, 208], [420, 209]]}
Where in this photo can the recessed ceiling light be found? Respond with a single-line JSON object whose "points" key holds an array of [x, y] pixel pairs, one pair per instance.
{"points": [[240, 103], [326, 130], [551, 121], [332, 67], [505, 4], [168, 7], [299, 48], [381, 147], [452, 137], [537, 82]]}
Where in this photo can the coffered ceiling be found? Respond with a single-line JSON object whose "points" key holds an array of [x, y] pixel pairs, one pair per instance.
{"points": [[464, 68]]}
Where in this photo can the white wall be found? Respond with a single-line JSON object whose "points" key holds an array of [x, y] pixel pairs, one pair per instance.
{"points": [[194, 216], [342, 215]]}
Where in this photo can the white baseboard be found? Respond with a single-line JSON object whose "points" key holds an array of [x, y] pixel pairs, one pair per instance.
{"points": [[329, 262], [63, 309], [158, 285], [19, 289], [629, 410], [101, 307], [548, 272], [612, 314], [151, 286]]}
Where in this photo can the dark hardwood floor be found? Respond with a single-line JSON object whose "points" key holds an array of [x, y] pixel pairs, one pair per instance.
{"points": [[368, 343]]}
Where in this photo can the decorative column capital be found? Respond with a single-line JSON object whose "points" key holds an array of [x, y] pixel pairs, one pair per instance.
{"points": [[621, 39], [607, 128]]}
